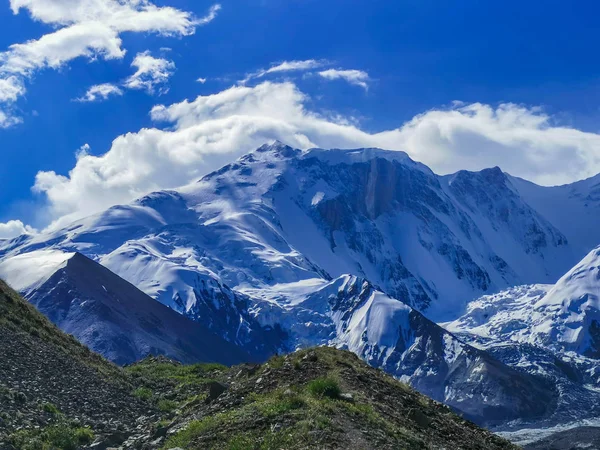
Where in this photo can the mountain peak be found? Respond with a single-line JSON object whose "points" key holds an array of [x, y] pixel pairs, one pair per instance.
{"points": [[279, 149]]}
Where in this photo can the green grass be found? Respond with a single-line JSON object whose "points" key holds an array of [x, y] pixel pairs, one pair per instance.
{"points": [[143, 393], [50, 408], [167, 405], [179, 374], [276, 403], [324, 387], [59, 436]]}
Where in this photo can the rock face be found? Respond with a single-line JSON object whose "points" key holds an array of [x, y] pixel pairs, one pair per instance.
{"points": [[113, 317]]}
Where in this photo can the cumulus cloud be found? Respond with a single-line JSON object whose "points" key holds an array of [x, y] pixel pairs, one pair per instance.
{"points": [[286, 66], [211, 130], [14, 228], [100, 92], [11, 88], [151, 73], [85, 28], [352, 76]]}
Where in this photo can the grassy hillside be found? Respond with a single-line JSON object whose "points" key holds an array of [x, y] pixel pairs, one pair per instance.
{"points": [[318, 398]]}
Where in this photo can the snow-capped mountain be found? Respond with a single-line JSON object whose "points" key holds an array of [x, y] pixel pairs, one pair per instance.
{"points": [[281, 215], [564, 317], [289, 248], [548, 330], [108, 314]]}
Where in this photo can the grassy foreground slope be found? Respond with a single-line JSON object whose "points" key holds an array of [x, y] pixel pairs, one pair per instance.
{"points": [[319, 398], [56, 394]]}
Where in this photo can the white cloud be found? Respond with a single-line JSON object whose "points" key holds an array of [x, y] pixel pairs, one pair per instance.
{"points": [[151, 72], [214, 129], [100, 92], [286, 66], [212, 15], [355, 77], [119, 15], [14, 228], [85, 28], [8, 119], [201, 80], [10, 89]]}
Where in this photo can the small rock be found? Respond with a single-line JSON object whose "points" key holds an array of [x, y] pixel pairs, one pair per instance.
{"points": [[215, 389], [259, 380], [310, 356], [347, 397], [420, 418], [157, 442]]}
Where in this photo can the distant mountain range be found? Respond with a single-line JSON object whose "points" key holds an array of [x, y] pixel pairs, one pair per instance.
{"points": [[362, 249]]}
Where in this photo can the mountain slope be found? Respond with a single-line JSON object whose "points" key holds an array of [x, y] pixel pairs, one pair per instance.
{"points": [[349, 313], [571, 208], [109, 315], [42, 371], [563, 317], [316, 398]]}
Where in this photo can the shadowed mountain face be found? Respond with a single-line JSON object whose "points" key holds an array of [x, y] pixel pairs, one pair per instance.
{"points": [[117, 320]]}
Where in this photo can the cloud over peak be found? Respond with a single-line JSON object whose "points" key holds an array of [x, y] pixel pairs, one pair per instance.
{"points": [[14, 228], [211, 130]]}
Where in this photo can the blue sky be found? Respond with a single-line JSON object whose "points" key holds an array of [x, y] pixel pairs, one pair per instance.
{"points": [[526, 77]]}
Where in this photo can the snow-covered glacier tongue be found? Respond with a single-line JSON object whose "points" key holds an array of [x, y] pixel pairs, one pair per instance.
{"points": [[360, 249]]}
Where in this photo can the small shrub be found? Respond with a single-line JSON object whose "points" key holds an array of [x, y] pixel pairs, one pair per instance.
{"points": [[167, 405], [143, 393], [20, 397], [277, 362], [194, 429], [60, 436], [50, 408], [324, 387], [84, 435]]}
